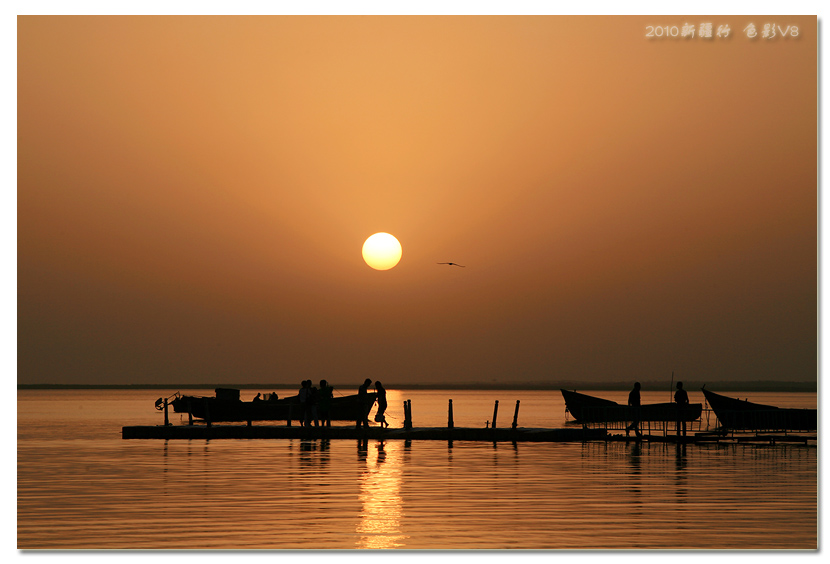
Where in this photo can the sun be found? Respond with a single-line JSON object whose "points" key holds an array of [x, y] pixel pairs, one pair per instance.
{"points": [[381, 251]]}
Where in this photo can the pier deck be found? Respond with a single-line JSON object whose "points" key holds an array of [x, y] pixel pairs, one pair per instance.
{"points": [[235, 431], [520, 434]]}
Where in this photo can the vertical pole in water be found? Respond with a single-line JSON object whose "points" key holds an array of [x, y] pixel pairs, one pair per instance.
{"points": [[290, 409], [671, 388], [516, 415], [189, 412], [495, 412], [405, 415], [207, 412], [409, 409], [449, 417], [166, 420]]}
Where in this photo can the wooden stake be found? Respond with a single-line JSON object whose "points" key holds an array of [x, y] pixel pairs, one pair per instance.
{"points": [[516, 415], [406, 423], [449, 417]]}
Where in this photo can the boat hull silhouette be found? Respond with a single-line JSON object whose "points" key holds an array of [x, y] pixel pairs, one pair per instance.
{"points": [[740, 414], [591, 409], [226, 406]]}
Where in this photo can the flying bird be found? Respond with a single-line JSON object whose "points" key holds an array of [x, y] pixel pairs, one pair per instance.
{"points": [[452, 264]]}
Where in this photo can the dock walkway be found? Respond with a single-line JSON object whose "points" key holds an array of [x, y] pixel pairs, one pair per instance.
{"points": [[215, 431], [519, 434]]}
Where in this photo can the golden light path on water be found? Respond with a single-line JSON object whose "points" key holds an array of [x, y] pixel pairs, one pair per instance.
{"points": [[380, 495]]}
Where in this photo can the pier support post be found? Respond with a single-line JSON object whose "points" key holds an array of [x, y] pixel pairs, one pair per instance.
{"points": [[407, 414], [516, 415], [450, 423], [495, 412], [166, 419], [290, 409], [207, 413], [189, 412]]}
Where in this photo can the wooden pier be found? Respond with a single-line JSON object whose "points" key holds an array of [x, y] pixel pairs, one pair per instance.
{"points": [[519, 434], [231, 431], [597, 431], [208, 430]]}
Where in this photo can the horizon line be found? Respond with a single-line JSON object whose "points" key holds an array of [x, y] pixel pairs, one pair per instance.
{"points": [[750, 385]]}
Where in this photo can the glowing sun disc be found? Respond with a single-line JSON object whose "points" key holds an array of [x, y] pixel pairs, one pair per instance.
{"points": [[382, 251]]}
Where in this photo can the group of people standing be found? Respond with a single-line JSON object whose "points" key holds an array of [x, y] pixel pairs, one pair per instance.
{"points": [[315, 404], [681, 399]]}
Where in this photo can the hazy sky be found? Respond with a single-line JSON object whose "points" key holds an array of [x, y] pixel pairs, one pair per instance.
{"points": [[194, 192]]}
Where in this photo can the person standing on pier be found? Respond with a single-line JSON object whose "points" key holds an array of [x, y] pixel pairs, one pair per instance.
{"points": [[681, 398], [303, 396], [363, 403], [634, 402], [311, 401], [324, 397], [379, 416]]}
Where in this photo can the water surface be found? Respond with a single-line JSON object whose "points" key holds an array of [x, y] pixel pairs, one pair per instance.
{"points": [[81, 486]]}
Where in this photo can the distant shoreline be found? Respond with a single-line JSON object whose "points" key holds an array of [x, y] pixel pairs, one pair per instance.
{"points": [[755, 386]]}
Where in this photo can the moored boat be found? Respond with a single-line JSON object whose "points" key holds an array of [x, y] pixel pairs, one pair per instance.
{"points": [[591, 409], [737, 414], [226, 405]]}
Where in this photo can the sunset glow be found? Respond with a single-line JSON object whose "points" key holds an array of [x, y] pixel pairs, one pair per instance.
{"points": [[192, 193], [609, 222]]}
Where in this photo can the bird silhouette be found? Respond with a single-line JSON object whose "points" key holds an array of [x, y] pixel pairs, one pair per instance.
{"points": [[452, 264]]}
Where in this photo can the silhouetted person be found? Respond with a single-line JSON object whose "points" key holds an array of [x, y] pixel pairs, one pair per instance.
{"points": [[303, 396], [324, 397], [681, 398], [312, 405], [258, 397], [363, 403], [379, 416], [634, 402], [273, 396]]}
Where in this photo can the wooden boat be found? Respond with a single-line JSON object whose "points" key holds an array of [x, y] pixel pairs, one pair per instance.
{"points": [[740, 414], [591, 409], [226, 406]]}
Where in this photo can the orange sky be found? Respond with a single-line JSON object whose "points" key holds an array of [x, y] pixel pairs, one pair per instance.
{"points": [[194, 193]]}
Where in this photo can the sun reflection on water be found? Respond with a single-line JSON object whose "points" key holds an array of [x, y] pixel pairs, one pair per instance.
{"points": [[380, 485]]}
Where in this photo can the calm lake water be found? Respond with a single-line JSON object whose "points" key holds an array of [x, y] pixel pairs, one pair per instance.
{"points": [[80, 486]]}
